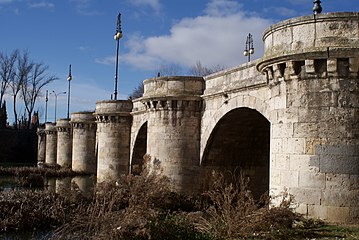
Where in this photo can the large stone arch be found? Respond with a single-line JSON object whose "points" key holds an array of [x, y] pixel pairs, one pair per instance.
{"points": [[237, 101], [239, 147], [139, 149]]}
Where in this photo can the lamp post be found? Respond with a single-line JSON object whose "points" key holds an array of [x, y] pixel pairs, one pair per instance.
{"points": [[317, 8], [56, 94], [117, 37], [46, 100], [249, 47], [69, 78]]}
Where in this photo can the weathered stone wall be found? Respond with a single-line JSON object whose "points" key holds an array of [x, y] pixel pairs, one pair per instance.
{"points": [[41, 144], [113, 133], [64, 143], [311, 65], [309, 94], [51, 143], [84, 142], [173, 109]]}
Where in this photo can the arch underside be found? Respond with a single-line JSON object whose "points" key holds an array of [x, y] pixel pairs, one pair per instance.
{"points": [[139, 150], [239, 144]]}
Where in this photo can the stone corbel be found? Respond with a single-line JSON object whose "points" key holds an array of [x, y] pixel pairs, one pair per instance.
{"points": [[332, 67], [309, 66], [277, 72], [289, 72], [353, 67]]}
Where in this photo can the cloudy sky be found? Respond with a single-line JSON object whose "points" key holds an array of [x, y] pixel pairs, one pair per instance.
{"points": [[157, 34]]}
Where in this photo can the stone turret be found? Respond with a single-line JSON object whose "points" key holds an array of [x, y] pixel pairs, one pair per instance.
{"points": [[84, 142], [113, 133], [64, 142], [41, 144], [174, 109], [311, 64], [51, 143]]}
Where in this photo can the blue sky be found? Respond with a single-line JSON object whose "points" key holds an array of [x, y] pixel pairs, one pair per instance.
{"points": [[156, 33]]}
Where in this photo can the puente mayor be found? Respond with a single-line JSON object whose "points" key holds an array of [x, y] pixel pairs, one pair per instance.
{"points": [[288, 121]]}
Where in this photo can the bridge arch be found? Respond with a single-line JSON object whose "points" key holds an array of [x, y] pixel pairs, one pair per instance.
{"points": [[238, 101], [239, 142], [139, 149]]}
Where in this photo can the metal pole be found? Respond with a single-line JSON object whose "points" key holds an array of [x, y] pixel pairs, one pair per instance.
{"points": [[69, 78], [46, 100], [117, 37], [116, 75], [56, 94], [55, 105]]}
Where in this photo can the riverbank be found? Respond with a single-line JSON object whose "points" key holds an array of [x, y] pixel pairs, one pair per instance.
{"points": [[143, 207]]}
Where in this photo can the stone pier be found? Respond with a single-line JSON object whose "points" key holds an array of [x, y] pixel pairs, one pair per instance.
{"points": [[41, 144], [64, 143], [51, 143], [84, 142], [113, 129], [174, 110]]}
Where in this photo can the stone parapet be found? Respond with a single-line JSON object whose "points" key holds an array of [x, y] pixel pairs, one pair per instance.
{"points": [[174, 86]]}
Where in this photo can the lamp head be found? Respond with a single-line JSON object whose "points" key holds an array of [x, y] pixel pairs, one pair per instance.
{"points": [[245, 53], [118, 35]]}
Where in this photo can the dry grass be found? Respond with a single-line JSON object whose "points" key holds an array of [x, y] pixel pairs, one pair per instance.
{"points": [[47, 171], [32, 210], [143, 207]]}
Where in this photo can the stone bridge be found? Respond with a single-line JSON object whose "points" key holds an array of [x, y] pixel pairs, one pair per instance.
{"points": [[285, 122]]}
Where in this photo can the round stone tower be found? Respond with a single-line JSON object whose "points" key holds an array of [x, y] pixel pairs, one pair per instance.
{"points": [[64, 142], [83, 142], [311, 64], [173, 129], [113, 133], [41, 144], [51, 143]]}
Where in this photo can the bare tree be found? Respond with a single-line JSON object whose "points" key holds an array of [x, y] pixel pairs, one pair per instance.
{"points": [[7, 71], [138, 91], [199, 70], [23, 69], [31, 87], [169, 70]]}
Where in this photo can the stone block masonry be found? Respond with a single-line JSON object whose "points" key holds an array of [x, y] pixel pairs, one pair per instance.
{"points": [[113, 132], [51, 143], [84, 142], [64, 143], [287, 121]]}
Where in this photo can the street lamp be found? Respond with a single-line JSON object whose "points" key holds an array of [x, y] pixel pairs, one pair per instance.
{"points": [[56, 94], [117, 37], [69, 78], [317, 8], [249, 47], [46, 100]]}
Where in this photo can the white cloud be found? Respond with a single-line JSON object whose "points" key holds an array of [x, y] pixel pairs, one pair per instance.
{"points": [[83, 7], [215, 38], [154, 4], [42, 4], [106, 60]]}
